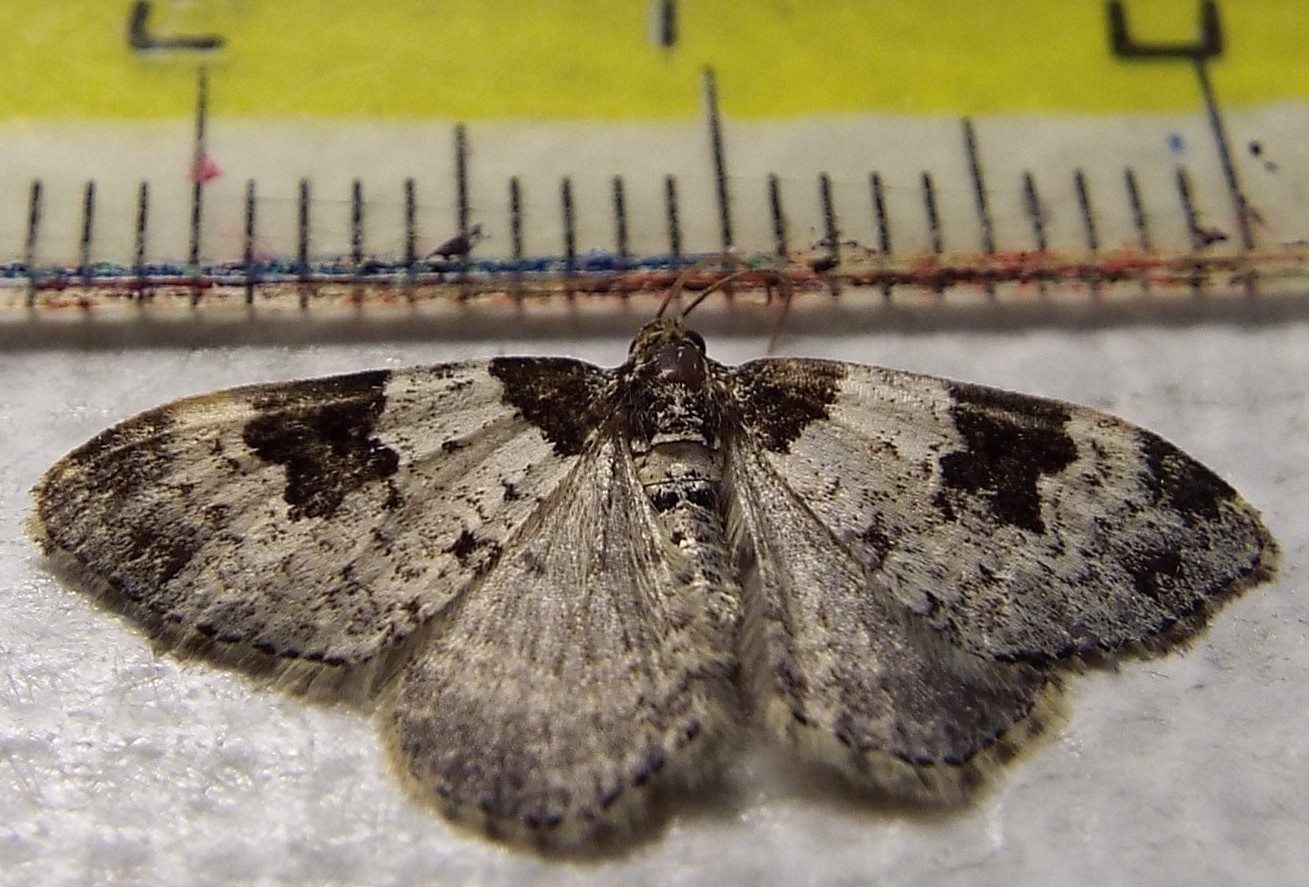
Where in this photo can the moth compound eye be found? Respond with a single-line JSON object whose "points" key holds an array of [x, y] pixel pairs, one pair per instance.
{"points": [[697, 339]]}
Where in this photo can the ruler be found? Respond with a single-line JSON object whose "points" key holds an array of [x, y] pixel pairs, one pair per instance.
{"points": [[214, 156]]}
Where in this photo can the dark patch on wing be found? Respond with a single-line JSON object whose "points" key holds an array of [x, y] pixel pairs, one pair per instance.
{"points": [[1179, 481], [654, 762], [475, 552], [561, 397], [322, 432], [1012, 440], [778, 399], [464, 546], [876, 540]]}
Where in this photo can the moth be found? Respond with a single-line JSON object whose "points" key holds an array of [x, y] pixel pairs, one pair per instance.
{"points": [[566, 589]]}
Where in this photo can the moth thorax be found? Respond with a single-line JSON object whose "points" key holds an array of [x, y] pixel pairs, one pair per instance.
{"points": [[681, 362]]}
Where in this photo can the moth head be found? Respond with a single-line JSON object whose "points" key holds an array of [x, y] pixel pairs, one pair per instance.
{"points": [[669, 351], [751, 271]]}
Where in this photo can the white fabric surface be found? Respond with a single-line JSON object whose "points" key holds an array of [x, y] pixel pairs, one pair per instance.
{"points": [[119, 766]]}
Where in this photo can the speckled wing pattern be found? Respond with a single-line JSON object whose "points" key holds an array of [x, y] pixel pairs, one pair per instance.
{"points": [[291, 524], [921, 558], [565, 586]]}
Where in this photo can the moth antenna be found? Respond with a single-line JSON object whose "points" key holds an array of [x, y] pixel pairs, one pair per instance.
{"points": [[744, 269], [675, 291], [715, 287]]}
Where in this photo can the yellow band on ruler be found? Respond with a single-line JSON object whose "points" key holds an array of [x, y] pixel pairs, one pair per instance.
{"points": [[601, 59]]}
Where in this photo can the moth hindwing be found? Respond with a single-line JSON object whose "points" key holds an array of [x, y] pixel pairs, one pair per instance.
{"points": [[568, 586]]}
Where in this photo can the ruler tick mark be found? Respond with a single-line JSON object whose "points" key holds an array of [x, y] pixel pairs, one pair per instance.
{"points": [[33, 233], [142, 223], [198, 181], [516, 218], [979, 195], [674, 217], [1202, 237], [197, 164], [302, 229], [933, 216], [666, 23], [356, 238], [570, 232], [411, 226], [880, 218], [779, 218], [1085, 208], [302, 244], [1139, 222], [1240, 206], [882, 224], [251, 272], [933, 225], [1088, 219], [1036, 216], [719, 157], [1192, 221], [831, 235], [1139, 219], [979, 187], [461, 178], [88, 232], [620, 219], [1035, 213], [357, 223]]}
